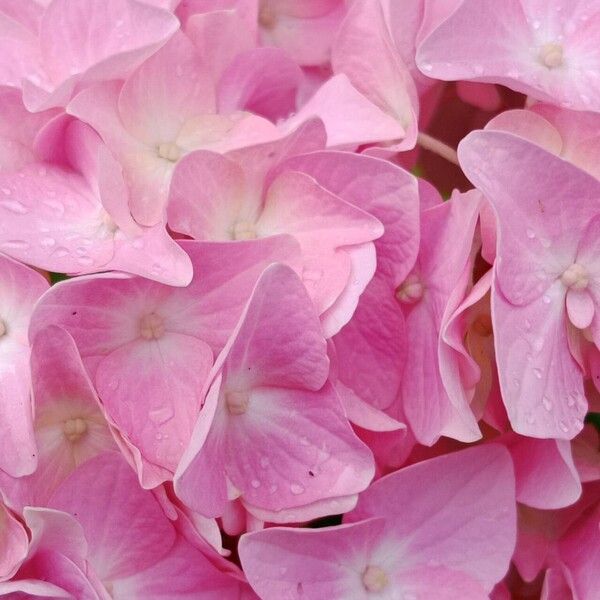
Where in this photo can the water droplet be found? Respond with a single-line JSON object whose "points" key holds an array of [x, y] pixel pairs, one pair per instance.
{"points": [[273, 489], [527, 324], [563, 426], [15, 245], [85, 261], [138, 243], [546, 299], [545, 242], [304, 441], [161, 415], [282, 570], [14, 206], [312, 276], [61, 252], [264, 462], [516, 383], [530, 233], [255, 483], [572, 400], [6, 191], [297, 489], [547, 403], [47, 242], [55, 205], [536, 24], [427, 67], [537, 373]]}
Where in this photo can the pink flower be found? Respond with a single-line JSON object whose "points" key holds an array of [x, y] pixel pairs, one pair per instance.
{"points": [[68, 426], [545, 276], [272, 430], [545, 49], [251, 194], [141, 339], [165, 109], [458, 540], [68, 212]]}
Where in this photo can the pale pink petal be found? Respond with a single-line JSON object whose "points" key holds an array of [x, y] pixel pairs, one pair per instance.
{"points": [[20, 288], [350, 118], [219, 36], [165, 376], [166, 91], [468, 525], [532, 193], [314, 564], [264, 81], [183, 574], [530, 126], [69, 426], [365, 52], [545, 474], [94, 40], [541, 383], [206, 190], [124, 536], [543, 49], [580, 308], [279, 340]]}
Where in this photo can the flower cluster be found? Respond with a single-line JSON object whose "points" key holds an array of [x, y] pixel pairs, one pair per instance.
{"points": [[265, 334]]}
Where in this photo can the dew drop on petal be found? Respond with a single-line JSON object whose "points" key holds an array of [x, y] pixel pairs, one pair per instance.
{"points": [[297, 489]]}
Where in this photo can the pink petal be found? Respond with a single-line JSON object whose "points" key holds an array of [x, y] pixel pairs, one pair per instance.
{"points": [[545, 474], [183, 574], [125, 536], [350, 118], [20, 288], [62, 392], [264, 81], [580, 308], [531, 191], [314, 564], [70, 36], [468, 525], [530, 126], [167, 90], [542, 49], [165, 375], [278, 341], [363, 50], [541, 382]]}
